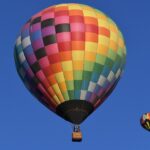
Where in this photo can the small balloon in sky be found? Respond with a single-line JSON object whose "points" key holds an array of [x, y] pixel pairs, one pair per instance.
{"points": [[70, 57], [145, 121]]}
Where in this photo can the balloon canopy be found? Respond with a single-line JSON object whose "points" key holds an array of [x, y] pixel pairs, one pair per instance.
{"points": [[70, 56], [145, 121]]}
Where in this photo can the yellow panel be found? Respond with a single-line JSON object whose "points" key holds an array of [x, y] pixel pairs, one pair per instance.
{"points": [[91, 46], [78, 65], [114, 36], [101, 16], [67, 65], [103, 23], [58, 92], [103, 40], [74, 7], [121, 42], [56, 99], [89, 13], [77, 55], [113, 27], [113, 45], [102, 49], [60, 77], [90, 56], [63, 87], [68, 75]]}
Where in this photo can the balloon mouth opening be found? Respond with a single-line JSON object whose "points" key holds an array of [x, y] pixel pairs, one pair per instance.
{"points": [[75, 111]]}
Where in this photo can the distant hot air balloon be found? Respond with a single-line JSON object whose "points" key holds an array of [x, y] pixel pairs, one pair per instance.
{"points": [[145, 121], [70, 56]]}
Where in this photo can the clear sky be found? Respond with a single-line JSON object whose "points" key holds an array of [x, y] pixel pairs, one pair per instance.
{"points": [[27, 125]]}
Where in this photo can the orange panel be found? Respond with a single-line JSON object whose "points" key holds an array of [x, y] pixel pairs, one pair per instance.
{"points": [[75, 13], [78, 45], [93, 37], [64, 56], [90, 20]]}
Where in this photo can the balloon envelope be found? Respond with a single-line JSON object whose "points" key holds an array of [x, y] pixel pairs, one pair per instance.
{"points": [[70, 57], [145, 121]]}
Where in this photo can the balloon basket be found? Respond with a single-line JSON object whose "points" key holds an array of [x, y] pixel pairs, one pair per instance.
{"points": [[76, 136]]}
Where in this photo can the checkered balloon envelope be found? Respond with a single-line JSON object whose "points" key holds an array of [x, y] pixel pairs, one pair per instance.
{"points": [[70, 56]]}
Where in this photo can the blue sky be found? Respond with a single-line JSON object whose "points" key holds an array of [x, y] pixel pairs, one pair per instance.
{"points": [[27, 125]]}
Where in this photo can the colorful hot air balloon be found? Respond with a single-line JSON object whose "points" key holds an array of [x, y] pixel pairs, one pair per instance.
{"points": [[145, 121], [70, 57]]}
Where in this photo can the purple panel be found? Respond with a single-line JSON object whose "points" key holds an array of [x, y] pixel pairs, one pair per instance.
{"points": [[48, 31]]}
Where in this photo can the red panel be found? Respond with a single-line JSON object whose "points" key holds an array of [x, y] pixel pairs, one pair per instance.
{"points": [[62, 13], [76, 19], [54, 58], [91, 28], [77, 36], [48, 71], [64, 46], [104, 31]]}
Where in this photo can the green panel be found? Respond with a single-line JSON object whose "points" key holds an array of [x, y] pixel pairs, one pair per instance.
{"points": [[87, 75], [100, 59], [78, 84], [70, 85], [78, 75], [88, 66], [98, 68], [65, 94], [111, 54], [109, 63], [120, 52], [71, 94]]}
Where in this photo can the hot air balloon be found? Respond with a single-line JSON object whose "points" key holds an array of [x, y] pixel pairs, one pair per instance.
{"points": [[70, 57], [145, 121]]}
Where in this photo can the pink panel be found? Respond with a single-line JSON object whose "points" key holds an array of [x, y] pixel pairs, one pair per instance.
{"points": [[52, 49], [48, 31], [31, 59], [47, 15], [35, 27], [62, 20], [63, 37], [37, 44], [40, 75], [44, 62], [77, 27]]}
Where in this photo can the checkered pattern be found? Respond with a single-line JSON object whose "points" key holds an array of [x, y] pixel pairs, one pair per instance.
{"points": [[145, 121], [70, 51]]}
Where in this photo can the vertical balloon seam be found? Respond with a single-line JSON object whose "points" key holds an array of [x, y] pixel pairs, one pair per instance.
{"points": [[31, 28], [22, 38], [59, 51], [100, 87], [83, 92], [55, 74], [24, 80], [89, 98], [31, 42], [56, 97], [106, 89], [83, 22]]}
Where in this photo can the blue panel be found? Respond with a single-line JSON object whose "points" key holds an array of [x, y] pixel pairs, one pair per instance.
{"points": [[85, 84], [28, 50], [77, 94], [36, 35], [95, 77]]}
